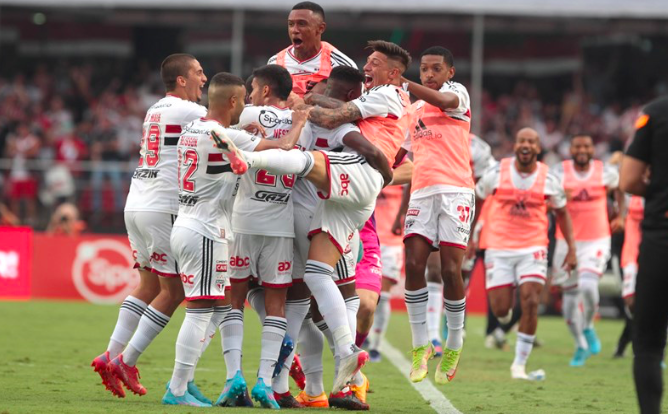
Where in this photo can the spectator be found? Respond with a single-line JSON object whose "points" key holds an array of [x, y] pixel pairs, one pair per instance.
{"points": [[22, 146]]}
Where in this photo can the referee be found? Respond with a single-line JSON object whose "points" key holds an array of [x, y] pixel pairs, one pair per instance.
{"points": [[647, 156]]}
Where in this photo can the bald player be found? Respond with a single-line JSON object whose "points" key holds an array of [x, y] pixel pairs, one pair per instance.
{"points": [[516, 255]]}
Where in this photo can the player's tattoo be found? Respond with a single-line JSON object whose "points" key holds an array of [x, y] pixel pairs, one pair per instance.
{"points": [[323, 101], [332, 118]]}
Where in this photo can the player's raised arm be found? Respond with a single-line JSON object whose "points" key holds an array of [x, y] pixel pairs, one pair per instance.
{"points": [[373, 155], [331, 118]]}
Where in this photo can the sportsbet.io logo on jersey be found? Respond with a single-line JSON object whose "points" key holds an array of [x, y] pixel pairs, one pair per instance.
{"points": [[102, 271], [269, 119]]}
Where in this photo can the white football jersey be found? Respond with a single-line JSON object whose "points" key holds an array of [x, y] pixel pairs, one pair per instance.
{"points": [[312, 138], [154, 186], [207, 185], [311, 65], [264, 203], [463, 111], [481, 156]]}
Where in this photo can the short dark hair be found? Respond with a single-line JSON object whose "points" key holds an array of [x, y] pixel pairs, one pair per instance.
{"points": [[582, 134], [225, 79], [277, 78], [174, 66], [346, 74], [391, 50], [309, 5], [249, 83], [440, 51]]}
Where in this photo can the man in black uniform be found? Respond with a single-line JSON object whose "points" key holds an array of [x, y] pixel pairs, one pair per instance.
{"points": [[649, 150]]}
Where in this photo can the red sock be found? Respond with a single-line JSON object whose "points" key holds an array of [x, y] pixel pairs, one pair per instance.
{"points": [[360, 338]]}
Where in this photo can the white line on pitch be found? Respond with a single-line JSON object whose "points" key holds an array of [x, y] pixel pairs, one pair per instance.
{"points": [[427, 390]]}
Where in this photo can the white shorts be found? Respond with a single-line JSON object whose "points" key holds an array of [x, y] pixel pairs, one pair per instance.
{"points": [[203, 264], [442, 219], [342, 274], [510, 268], [593, 256], [392, 258], [266, 258], [629, 283], [149, 233], [354, 187]]}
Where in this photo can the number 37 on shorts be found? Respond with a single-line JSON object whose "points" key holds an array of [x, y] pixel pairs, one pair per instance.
{"points": [[441, 219]]}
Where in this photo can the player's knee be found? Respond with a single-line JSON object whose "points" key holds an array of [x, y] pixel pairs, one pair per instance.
{"points": [[367, 308], [500, 309], [451, 273], [414, 266], [530, 302]]}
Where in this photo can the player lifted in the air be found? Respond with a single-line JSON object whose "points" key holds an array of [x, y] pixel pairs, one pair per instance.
{"points": [[150, 211], [516, 238], [348, 182], [586, 182]]}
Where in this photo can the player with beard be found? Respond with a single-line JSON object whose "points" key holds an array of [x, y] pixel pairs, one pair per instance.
{"points": [[150, 212], [349, 182], [309, 60], [517, 240], [587, 183]]}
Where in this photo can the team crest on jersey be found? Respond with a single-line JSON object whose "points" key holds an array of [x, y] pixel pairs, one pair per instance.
{"points": [[269, 119], [220, 284]]}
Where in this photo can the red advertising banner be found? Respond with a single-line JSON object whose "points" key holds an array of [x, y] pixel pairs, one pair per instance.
{"points": [[96, 268], [15, 262]]}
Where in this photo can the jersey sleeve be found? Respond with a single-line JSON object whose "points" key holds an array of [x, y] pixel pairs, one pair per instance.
{"points": [[558, 172], [481, 156], [641, 146], [248, 115], [243, 140], [336, 138], [488, 183], [305, 141], [272, 60], [610, 176], [339, 59], [197, 112], [380, 102], [555, 191], [407, 145], [464, 101]]}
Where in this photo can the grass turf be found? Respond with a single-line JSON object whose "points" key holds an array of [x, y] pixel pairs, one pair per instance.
{"points": [[47, 348]]}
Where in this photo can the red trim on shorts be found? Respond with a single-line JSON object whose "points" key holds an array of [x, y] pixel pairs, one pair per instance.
{"points": [[297, 280], [630, 295], [392, 116], [205, 297], [596, 272], [534, 276], [329, 177], [240, 280], [159, 273], [346, 281], [136, 266], [449, 244], [276, 285], [333, 240], [500, 286], [431, 243], [228, 288]]}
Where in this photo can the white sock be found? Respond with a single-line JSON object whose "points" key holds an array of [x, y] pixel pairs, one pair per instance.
{"points": [[318, 277], [281, 162], [416, 304], [573, 317], [295, 312], [128, 318], [233, 340], [523, 348], [150, 325], [255, 298], [273, 332], [216, 321], [352, 307], [381, 319], [588, 285], [327, 333], [311, 345], [189, 347], [455, 312], [434, 310]]}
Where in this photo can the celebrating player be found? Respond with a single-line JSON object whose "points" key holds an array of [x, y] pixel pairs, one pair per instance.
{"points": [[587, 182], [517, 238], [348, 182], [309, 60], [150, 211], [441, 207]]}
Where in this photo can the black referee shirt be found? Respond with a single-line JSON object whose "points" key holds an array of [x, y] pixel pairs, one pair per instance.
{"points": [[650, 145]]}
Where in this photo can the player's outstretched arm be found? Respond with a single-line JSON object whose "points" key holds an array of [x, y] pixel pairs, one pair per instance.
{"points": [[322, 101], [402, 173], [566, 226], [289, 140], [442, 100], [331, 118], [373, 155]]}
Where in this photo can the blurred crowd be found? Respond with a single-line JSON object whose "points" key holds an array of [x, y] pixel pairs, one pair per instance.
{"points": [[69, 133]]}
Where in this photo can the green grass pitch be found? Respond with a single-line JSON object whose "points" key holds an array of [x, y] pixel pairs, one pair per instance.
{"points": [[47, 348]]}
